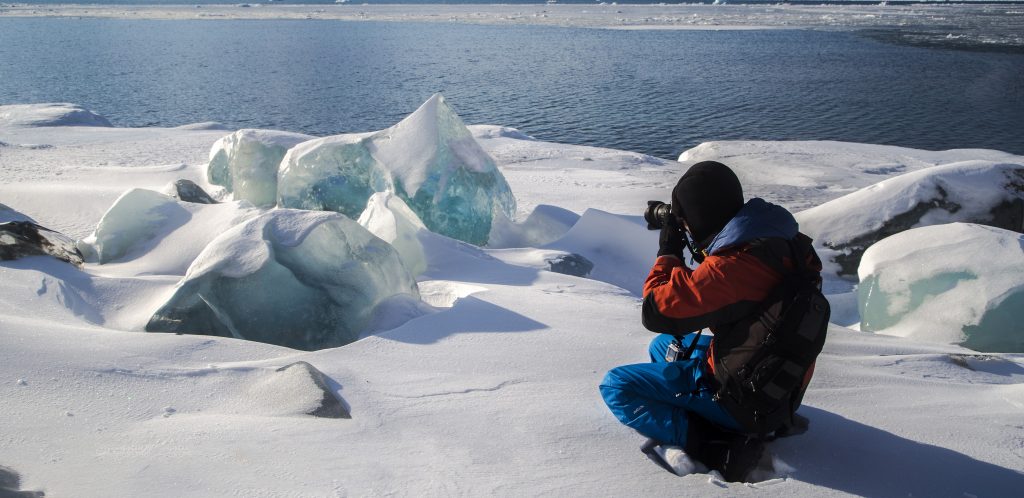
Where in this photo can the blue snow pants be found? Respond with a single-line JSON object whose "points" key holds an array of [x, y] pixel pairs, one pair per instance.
{"points": [[657, 398]]}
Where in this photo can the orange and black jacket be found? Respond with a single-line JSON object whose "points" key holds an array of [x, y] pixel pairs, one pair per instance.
{"points": [[744, 263]]}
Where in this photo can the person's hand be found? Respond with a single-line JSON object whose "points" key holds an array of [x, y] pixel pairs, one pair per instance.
{"points": [[670, 243]]}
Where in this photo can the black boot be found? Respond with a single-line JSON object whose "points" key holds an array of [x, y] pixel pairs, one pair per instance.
{"points": [[731, 454]]}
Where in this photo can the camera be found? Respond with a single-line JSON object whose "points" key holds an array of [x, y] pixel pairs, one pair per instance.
{"points": [[658, 215]]}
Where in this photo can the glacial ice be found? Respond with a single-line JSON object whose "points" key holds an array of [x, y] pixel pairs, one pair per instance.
{"points": [[983, 192], [302, 279], [390, 219], [430, 160], [246, 163], [955, 283], [136, 217]]}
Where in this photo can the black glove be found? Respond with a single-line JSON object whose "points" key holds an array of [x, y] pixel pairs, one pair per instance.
{"points": [[671, 241]]}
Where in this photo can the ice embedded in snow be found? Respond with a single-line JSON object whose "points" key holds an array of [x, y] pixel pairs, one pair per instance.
{"points": [[136, 217], [390, 219], [302, 279], [246, 163], [985, 192], [956, 283], [430, 160]]}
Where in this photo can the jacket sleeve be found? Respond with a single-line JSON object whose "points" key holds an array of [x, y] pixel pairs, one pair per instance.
{"points": [[722, 290]]}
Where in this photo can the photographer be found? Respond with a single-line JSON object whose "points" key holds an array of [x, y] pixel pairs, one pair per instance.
{"points": [[744, 250]]}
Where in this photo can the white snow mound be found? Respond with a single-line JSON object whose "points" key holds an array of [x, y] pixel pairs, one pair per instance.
{"points": [[57, 114]]}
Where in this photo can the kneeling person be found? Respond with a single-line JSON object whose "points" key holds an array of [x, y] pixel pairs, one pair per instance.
{"points": [[687, 396]]}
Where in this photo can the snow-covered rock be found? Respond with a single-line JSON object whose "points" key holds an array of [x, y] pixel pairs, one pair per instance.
{"points": [[390, 219], [188, 191], [983, 192], [301, 279], [246, 163], [429, 159], [57, 114], [19, 239], [957, 283]]}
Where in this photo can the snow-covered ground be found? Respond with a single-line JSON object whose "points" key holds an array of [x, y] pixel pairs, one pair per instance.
{"points": [[492, 393]]}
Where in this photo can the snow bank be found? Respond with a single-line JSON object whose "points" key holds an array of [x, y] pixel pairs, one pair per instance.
{"points": [[958, 283], [246, 163], [544, 225], [40, 115], [302, 279], [971, 191], [802, 174]]}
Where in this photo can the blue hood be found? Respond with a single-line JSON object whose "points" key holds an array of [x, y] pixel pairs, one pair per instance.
{"points": [[757, 219]]}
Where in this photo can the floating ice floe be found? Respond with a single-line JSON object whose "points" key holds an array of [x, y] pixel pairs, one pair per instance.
{"points": [[301, 279], [246, 163], [983, 192], [956, 283], [430, 160]]}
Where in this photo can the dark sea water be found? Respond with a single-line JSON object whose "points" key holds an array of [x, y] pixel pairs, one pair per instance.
{"points": [[658, 92]]}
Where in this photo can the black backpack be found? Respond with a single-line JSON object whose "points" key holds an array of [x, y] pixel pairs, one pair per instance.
{"points": [[762, 367]]}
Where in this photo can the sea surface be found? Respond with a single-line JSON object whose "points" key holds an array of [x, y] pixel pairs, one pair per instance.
{"points": [[657, 91]]}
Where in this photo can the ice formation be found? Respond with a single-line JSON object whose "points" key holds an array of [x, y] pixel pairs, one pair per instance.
{"points": [[136, 217], [955, 283], [390, 219], [983, 192], [301, 279], [430, 160], [246, 163]]}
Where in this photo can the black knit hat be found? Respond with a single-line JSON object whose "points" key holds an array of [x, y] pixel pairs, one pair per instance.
{"points": [[707, 197]]}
